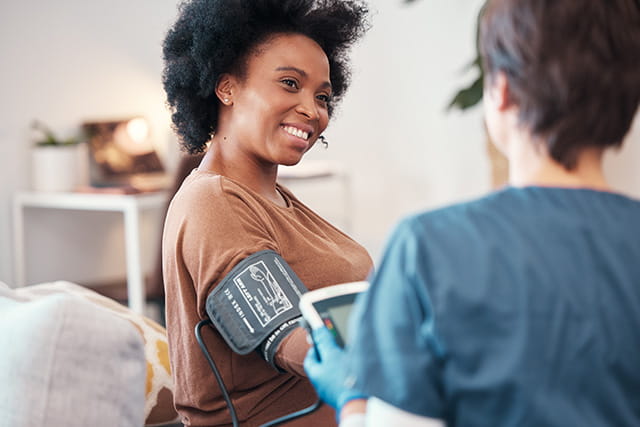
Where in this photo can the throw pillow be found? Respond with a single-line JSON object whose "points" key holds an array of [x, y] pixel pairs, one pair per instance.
{"points": [[66, 362], [158, 406]]}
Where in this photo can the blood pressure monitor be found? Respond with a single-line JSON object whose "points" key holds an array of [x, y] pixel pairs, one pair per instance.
{"points": [[331, 307]]}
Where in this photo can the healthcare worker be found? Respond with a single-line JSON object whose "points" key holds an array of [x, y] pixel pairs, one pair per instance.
{"points": [[521, 308]]}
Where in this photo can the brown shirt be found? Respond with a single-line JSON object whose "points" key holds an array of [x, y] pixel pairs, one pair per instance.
{"points": [[212, 224]]}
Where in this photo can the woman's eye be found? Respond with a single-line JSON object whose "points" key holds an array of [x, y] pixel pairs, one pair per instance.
{"points": [[291, 83], [324, 98]]}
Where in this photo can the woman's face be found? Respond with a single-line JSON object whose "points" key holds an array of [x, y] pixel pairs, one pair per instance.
{"points": [[279, 109]]}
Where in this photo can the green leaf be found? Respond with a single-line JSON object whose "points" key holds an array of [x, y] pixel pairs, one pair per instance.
{"points": [[468, 97]]}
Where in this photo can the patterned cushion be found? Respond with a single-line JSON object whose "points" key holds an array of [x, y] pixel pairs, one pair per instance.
{"points": [[158, 408]]}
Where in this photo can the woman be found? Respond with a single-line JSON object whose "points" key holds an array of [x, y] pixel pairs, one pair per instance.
{"points": [[521, 308], [254, 84]]}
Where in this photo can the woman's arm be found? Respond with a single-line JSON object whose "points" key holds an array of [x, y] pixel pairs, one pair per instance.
{"points": [[291, 352]]}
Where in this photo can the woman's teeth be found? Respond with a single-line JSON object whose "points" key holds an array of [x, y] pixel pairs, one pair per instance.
{"points": [[296, 132]]}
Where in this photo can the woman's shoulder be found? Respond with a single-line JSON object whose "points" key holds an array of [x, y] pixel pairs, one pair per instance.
{"points": [[208, 198], [512, 210], [454, 213], [211, 202], [464, 221], [210, 189]]}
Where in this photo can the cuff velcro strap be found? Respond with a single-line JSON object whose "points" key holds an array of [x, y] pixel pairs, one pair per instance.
{"points": [[251, 303]]}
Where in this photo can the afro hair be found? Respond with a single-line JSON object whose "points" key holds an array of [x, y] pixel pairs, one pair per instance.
{"points": [[212, 37]]}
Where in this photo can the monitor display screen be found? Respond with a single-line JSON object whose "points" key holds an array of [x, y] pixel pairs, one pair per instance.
{"points": [[335, 314]]}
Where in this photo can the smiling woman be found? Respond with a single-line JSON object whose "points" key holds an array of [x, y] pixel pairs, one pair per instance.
{"points": [[253, 85], [275, 113]]}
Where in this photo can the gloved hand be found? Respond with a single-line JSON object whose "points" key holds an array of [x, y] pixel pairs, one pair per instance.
{"points": [[328, 374]]}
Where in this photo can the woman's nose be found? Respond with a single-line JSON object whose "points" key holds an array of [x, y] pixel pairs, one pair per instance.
{"points": [[307, 107]]}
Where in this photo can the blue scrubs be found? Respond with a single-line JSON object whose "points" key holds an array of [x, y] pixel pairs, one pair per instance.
{"points": [[518, 309]]}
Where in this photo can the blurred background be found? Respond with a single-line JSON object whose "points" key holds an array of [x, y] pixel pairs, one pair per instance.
{"points": [[397, 147]]}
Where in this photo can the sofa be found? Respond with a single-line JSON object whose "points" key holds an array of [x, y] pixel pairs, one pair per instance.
{"points": [[74, 358]]}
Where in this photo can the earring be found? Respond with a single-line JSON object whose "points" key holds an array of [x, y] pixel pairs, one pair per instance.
{"points": [[226, 100], [324, 141]]}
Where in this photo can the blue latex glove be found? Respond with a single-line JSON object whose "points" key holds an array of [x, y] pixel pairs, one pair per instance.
{"points": [[329, 373]]}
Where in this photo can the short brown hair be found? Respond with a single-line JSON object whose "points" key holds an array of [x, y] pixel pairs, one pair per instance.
{"points": [[573, 68]]}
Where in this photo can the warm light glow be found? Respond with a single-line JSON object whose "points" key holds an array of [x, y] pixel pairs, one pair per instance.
{"points": [[138, 130]]}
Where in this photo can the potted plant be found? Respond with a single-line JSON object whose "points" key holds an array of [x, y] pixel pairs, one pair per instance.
{"points": [[56, 162]]}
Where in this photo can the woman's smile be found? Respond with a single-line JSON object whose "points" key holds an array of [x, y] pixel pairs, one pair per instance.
{"points": [[298, 135], [296, 132]]}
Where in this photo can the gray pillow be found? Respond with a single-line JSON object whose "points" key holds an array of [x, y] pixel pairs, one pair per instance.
{"points": [[66, 362]]}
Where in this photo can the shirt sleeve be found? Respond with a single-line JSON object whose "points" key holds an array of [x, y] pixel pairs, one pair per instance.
{"points": [[218, 231], [217, 234], [396, 354]]}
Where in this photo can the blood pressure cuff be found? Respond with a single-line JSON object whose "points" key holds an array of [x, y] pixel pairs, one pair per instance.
{"points": [[256, 305]]}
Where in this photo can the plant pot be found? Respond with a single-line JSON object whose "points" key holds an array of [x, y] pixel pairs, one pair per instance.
{"points": [[58, 168]]}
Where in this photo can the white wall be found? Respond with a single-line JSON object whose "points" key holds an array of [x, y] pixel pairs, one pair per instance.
{"points": [[64, 62], [393, 131]]}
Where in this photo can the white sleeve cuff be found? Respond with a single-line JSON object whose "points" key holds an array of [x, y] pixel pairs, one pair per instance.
{"points": [[381, 414], [353, 420]]}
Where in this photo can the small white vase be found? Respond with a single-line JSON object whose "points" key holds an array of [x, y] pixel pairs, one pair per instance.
{"points": [[57, 168]]}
